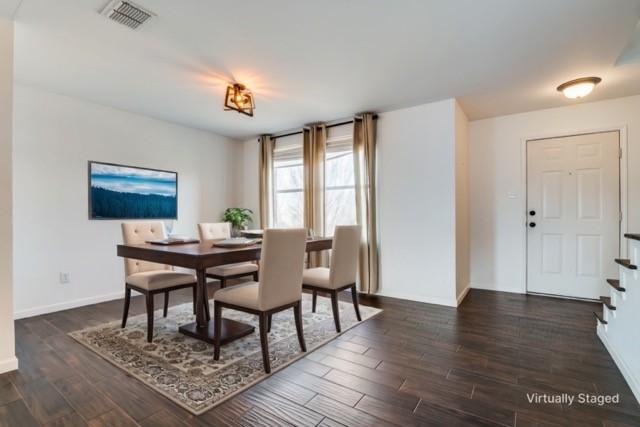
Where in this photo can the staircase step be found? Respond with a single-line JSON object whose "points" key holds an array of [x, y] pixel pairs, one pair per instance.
{"points": [[599, 317], [632, 236], [615, 284], [607, 302], [626, 263]]}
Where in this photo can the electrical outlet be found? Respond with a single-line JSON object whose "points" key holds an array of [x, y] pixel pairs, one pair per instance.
{"points": [[64, 278]]}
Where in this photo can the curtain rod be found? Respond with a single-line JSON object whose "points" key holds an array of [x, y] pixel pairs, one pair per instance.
{"points": [[332, 125]]}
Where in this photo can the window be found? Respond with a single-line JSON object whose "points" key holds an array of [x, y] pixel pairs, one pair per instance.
{"points": [[340, 193], [288, 183]]}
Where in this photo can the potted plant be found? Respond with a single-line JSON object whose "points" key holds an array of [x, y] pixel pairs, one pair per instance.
{"points": [[238, 217]]}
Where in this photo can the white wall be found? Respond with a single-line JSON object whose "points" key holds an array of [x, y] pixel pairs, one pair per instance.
{"points": [[54, 138], [8, 361], [462, 202], [416, 200], [496, 171], [422, 160]]}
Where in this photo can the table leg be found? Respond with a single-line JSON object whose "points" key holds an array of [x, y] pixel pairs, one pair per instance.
{"points": [[201, 314], [203, 328]]}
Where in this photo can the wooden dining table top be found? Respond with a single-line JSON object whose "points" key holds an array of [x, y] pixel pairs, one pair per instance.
{"points": [[204, 254]]}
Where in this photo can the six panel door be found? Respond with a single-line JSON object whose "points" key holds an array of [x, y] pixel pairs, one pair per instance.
{"points": [[573, 214]]}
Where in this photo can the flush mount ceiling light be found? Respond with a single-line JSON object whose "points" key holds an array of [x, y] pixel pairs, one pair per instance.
{"points": [[239, 99], [579, 88]]}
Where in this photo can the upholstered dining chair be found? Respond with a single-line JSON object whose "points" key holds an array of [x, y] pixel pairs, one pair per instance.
{"points": [[222, 230], [150, 278], [280, 287], [342, 272]]}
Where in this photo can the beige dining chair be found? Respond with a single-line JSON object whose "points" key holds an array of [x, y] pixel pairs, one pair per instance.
{"points": [[222, 230], [280, 287], [150, 278], [342, 272]]}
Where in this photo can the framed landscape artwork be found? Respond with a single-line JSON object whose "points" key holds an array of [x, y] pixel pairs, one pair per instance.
{"points": [[129, 192]]}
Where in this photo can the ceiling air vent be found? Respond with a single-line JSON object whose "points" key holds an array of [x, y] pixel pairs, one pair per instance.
{"points": [[126, 13]]}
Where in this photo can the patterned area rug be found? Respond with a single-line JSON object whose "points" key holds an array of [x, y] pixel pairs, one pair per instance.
{"points": [[182, 368]]}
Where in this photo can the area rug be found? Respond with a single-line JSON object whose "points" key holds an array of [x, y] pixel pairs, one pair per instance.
{"points": [[182, 368]]}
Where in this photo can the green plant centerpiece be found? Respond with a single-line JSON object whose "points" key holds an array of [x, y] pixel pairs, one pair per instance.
{"points": [[238, 217]]}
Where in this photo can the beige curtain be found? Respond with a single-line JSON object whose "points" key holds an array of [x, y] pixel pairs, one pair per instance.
{"points": [[364, 154], [314, 144], [265, 165]]}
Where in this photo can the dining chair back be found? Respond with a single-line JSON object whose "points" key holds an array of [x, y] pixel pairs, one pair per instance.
{"points": [[344, 256], [137, 233], [214, 230], [281, 266]]}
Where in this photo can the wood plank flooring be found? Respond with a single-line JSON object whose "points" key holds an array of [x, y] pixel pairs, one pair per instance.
{"points": [[414, 365]]}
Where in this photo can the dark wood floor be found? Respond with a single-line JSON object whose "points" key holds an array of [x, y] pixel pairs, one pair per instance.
{"points": [[416, 364]]}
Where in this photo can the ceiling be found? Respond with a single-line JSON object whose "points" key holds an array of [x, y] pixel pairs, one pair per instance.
{"points": [[310, 61], [8, 7]]}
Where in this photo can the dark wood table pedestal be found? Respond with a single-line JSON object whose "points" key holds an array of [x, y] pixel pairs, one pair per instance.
{"points": [[231, 331], [203, 328]]}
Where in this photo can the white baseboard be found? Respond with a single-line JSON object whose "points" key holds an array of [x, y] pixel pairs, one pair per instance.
{"points": [[8, 365], [45, 309], [418, 298], [634, 383], [497, 288], [463, 294]]}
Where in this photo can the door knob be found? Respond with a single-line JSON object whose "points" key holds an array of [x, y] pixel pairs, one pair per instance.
{"points": [[532, 224], [532, 213]]}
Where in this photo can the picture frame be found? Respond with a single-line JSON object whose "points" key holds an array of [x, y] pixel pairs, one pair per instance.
{"points": [[126, 192]]}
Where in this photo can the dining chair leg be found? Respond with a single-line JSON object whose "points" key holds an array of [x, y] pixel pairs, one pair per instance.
{"points": [[335, 309], [314, 301], [264, 343], [127, 301], [195, 298], [166, 304], [269, 322], [206, 303], [217, 329], [354, 296], [149, 297], [297, 313]]}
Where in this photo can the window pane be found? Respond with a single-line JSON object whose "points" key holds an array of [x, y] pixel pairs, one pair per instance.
{"points": [[288, 176], [288, 210], [340, 208], [288, 182], [339, 170]]}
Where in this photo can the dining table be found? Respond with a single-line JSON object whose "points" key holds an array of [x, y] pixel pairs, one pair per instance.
{"points": [[199, 257]]}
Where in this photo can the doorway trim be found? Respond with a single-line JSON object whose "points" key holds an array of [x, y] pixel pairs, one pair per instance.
{"points": [[623, 143]]}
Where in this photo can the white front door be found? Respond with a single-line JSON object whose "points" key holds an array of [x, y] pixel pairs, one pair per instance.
{"points": [[573, 214]]}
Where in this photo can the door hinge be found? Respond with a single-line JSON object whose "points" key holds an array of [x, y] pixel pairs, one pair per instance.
{"points": [[620, 152]]}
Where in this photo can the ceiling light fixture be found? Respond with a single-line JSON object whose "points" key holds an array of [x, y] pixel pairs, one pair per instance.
{"points": [[579, 88], [240, 99]]}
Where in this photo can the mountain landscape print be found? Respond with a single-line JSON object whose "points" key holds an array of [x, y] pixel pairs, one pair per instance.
{"points": [[126, 192]]}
